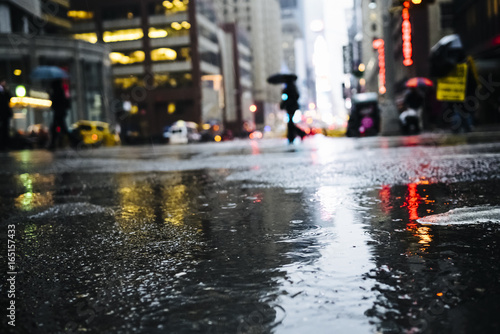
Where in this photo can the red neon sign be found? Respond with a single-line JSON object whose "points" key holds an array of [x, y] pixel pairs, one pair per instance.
{"points": [[406, 29], [379, 45]]}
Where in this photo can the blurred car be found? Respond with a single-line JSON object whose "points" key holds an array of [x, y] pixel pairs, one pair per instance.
{"points": [[182, 132], [95, 133], [212, 131]]}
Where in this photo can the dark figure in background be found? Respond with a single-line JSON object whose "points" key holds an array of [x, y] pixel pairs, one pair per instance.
{"points": [[289, 102], [5, 115], [411, 118], [60, 105]]}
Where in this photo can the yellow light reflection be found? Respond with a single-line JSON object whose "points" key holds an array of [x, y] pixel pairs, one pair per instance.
{"points": [[176, 205], [186, 25], [424, 233], [30, 200]]}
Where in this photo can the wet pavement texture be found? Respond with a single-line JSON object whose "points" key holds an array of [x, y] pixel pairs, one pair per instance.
{"points": [[332, 235]]}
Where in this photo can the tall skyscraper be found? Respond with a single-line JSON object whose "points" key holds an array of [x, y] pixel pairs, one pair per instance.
{"points": [[262, 21]]}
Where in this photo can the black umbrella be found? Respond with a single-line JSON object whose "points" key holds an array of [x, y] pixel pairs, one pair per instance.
{"points": [[281, 78], [446, 54]]}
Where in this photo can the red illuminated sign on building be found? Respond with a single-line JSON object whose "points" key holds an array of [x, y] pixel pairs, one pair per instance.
{"points": [[379, 45], [406, 28]]}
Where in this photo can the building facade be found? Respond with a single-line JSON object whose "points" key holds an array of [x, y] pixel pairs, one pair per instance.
{"points": [[478, 24], [166, 62], [34, 33], [262, 22]]}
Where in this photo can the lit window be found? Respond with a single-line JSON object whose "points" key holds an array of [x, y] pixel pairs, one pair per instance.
{"points": [[157, 33], [163, 54], [125, 83], [122, 35], [89, 37], [176, 25], [80, 15], [120, 58]]}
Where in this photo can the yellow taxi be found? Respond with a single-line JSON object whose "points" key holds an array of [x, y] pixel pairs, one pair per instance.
{"points": [[95, 133]]}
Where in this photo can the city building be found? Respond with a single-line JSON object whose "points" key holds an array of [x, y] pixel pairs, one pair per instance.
{"points": [[165, 55], [294, 50], [34, 33], [478, 24], [237, 72], [391, 40], [261, 21]]}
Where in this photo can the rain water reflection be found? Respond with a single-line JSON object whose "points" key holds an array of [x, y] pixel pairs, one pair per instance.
{"points": [[190, 252]]}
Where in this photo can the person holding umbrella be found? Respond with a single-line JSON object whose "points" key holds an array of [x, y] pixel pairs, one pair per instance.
{"points": [[289, 102], [60, 102], [60, 105]]}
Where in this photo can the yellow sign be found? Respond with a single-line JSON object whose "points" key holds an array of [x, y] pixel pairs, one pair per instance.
{"points": [[452, 88]]}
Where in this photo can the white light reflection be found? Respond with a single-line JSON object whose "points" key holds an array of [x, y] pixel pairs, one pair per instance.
{"points": [[335, 279]]}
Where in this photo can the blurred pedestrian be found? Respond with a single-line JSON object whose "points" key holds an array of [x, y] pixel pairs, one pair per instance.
{"points": [[60, 105], [290, 104], [5, 115], [414, 99]]}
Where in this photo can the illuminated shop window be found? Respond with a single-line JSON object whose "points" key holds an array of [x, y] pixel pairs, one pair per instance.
{"points": [[130, 58], [80, 15], [122, 35], [89, 37]]}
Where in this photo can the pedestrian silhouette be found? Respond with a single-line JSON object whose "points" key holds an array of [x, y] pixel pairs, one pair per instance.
{"points": [[411, 117], [60, 105], [5, 115], [289, 102]]}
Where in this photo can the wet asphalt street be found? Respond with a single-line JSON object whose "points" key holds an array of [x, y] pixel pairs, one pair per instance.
{"points": [[332, 235]]}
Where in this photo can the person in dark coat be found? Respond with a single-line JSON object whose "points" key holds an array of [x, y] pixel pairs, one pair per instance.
{"points": [[5, 115], [291, 105], [60, 105]]}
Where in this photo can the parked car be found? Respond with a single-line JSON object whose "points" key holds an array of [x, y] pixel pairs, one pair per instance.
{"points": [[182, 132], [95, 133]]}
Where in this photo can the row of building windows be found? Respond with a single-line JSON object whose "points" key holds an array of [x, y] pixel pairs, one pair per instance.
{"points": [[161, 54], [159, 80], [175, 29], [168, 7]]}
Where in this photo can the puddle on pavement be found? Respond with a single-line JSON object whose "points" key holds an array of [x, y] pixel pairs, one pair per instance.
{"points": [[188, 252]]}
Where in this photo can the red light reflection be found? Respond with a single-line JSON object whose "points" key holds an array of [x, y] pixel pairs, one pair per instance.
{"points": [[412, 203]]}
